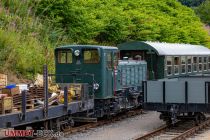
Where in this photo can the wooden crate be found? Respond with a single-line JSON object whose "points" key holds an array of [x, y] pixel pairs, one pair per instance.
{"points": [[3, 80], [29, 105], [37, 92], [17, 98], [6, 105], [17, 101], [11, 91]]}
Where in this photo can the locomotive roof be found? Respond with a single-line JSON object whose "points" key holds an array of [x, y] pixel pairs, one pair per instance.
{"points": [[166, 48], [89, 46]]}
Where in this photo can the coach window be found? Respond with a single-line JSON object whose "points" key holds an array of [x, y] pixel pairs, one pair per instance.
{"points": [[205, 63], [200, 63], [194, 64], [169, 65], [65, 56], [176, 65], [91, 56], [183, 65], [189, 64]]}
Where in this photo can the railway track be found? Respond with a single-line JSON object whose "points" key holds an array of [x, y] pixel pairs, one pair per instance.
{"points": [[103, 122], [88, 126], [181, 130]]}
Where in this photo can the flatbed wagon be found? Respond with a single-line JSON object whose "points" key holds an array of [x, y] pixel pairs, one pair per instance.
{"points": [[53, 117], [38, 115]]}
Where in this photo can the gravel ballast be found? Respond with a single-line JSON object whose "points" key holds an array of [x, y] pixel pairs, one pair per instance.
{"points": [[126, 129]]}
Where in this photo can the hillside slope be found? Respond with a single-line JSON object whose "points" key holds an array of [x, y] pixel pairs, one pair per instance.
{"points": [[30, 30]]}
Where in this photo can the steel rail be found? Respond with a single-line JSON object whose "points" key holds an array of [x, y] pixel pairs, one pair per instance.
{"points": [[179, 134], [193, 130], [102, 122], [156, 132], [88, 126], [153, 133]]}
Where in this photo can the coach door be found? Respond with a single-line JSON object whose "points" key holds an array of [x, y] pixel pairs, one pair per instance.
{"points": [[207, 93]]}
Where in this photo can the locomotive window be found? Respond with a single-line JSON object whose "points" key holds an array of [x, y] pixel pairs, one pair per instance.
{"points": [[65, 56], [91, 56], [205, 63], [183, 64], [189, 64], [194, 64], [176, 65], [169, 65], [68, 57], [200, 63]]}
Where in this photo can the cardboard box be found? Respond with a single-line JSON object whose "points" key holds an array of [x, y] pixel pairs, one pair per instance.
{"points": [[11, 91]]}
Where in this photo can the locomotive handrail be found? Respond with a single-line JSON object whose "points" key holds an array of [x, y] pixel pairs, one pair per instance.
{"points": [[71, 74]]}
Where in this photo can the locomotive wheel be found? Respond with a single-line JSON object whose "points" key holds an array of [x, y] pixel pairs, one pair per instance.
{"points": [[168, 122], [64, 127]]}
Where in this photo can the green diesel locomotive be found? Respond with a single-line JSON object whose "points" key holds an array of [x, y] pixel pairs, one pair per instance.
{"points": [[117, 83]]}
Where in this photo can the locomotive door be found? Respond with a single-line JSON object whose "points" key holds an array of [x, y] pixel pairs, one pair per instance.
{"points": [[109, 74]]}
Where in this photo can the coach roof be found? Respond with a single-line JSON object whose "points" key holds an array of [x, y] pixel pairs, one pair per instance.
{"points": [[165, 48]]}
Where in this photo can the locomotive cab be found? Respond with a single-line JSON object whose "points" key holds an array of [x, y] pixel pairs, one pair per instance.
{"points": [[87, 64]]}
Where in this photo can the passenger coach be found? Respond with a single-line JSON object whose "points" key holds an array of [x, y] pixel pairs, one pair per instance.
{"points": [[168, 60]]}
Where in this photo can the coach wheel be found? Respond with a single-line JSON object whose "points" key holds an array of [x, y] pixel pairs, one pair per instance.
{"points": [[199, 117], [196, 120]]}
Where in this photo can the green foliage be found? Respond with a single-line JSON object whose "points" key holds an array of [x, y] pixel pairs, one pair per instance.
{"points": [[191, 3], [25, 42], [203, 11], [114, 21], [14, 49]]}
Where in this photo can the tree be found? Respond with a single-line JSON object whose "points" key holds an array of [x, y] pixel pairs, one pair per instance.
{"points": [[191, 3], [203, 11]]}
